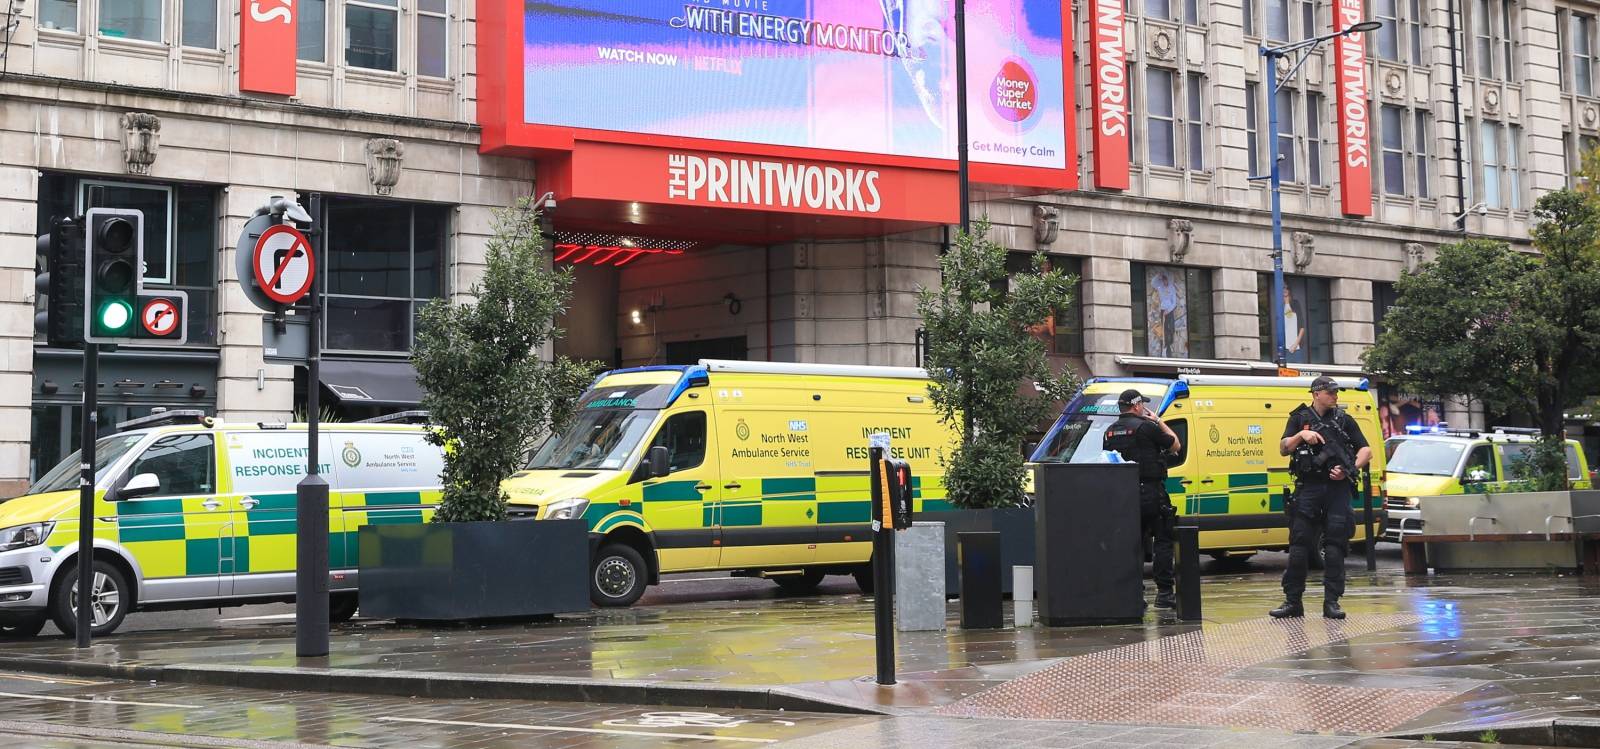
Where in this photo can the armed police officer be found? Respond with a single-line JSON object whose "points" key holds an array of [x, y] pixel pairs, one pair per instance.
{"points": [[1327, 453], [1141, 437]]}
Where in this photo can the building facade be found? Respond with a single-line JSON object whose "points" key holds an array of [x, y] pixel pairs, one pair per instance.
{"points": [[138, 103]]}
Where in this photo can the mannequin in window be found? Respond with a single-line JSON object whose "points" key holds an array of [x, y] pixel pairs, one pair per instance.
{"points": [[1294, 331]]}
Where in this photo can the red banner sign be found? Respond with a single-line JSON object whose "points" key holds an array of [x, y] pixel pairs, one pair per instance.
{"points": [[674, 176], [267, 47], [1355, 138], [1108, 64]]}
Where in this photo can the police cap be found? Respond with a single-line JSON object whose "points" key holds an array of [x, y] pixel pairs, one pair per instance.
{"points": [[1324, 384], [1130, 397]]}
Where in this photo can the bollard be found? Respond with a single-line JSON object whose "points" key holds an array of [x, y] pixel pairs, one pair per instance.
{"points": [[1022, 595], [1366, 518], [978, 556], [1187, 538]]}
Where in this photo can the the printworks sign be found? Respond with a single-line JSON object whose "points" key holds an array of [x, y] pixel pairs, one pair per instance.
{"points": [[1108, 62], [1355, 139], [836, 75]]}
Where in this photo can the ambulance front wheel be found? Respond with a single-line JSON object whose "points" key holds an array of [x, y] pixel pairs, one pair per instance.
{"points": [[342, 607], [109, 598], [863, 576], [617, 577]]}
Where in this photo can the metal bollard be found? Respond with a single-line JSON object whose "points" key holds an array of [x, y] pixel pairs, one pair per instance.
{"points": [[1022, 595], [978, 557], [1187, 539]]}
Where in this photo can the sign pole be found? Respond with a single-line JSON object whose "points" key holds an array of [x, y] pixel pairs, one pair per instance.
{"points": [[882, 563], [311, 495], [91, 427]]}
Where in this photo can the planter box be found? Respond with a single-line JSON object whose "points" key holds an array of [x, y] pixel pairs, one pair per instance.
{"points": [[1015, 525], [1512, 513], [463, 571]]}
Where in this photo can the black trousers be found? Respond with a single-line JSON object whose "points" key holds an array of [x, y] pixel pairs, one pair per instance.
{"points": [[1155, 521], [1321, 509]]}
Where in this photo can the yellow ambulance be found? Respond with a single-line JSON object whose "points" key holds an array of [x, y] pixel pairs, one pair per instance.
{"points": [[755, 467], [193, 512], [1229, 479]]}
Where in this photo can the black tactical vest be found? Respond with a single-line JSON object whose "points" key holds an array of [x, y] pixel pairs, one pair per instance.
{"points": [[1123, 436]]}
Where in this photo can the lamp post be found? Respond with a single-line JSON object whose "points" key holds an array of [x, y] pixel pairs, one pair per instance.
{"points": [[963, 179], [1272, 54]]}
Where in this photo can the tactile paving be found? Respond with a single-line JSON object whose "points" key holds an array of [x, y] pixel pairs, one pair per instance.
{"points": [[1190, 679]]}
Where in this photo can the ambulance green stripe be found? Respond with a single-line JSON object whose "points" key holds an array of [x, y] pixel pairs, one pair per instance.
{"points": [[132, 530], [741, 515], [845, 512], [1246, 479], [671, 491], [390, 498], [789, 485]]}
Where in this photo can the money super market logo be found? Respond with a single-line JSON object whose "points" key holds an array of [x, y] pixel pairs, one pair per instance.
{"points": [[1014, 92]]}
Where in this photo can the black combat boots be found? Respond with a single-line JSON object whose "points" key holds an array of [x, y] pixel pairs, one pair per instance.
{"points": [[1291, 608], [1331, 610]]}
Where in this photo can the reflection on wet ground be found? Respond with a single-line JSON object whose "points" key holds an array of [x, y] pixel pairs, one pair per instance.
{"points": [[1416, 652]]}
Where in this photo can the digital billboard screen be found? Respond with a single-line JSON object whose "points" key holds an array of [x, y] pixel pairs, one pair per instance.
{"points": [[868, 76]]}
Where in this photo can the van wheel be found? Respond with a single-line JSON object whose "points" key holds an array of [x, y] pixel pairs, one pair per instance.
{"points": [[804, 583], [110, 597], [22, 629], [863, 576], [617, 577], [342, 607]]}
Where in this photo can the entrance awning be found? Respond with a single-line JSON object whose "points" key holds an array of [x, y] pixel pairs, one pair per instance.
{"points": [[368, 382], [1158, 364]]}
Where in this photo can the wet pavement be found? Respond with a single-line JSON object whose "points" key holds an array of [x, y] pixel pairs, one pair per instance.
{"points": [[1417, 655]]}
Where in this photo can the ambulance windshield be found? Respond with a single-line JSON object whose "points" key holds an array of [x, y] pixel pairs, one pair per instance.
{"points": [[1080, 437], [599, 438], [65, 475], [1426, 457]]}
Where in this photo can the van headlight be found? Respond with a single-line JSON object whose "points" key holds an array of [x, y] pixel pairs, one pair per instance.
{"points": [[566, 509], [1413, 502], [23, 536]]}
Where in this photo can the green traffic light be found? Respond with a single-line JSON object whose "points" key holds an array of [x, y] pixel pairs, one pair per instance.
{"points": [[115, 315]]}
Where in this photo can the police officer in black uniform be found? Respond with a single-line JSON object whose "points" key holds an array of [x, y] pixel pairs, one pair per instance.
{"points": [[1327, 452], [1141, 437]]}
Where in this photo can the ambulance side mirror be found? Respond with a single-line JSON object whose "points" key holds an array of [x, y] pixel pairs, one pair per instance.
{"points": [[142, 485], [659, 462]]}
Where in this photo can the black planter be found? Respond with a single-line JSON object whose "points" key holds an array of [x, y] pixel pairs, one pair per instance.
{"points": [[460, 571], [1014, 524]]}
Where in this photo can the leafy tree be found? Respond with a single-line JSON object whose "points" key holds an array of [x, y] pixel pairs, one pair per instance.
{"points": [[1519, 331], [982, 356], [485, 382]]}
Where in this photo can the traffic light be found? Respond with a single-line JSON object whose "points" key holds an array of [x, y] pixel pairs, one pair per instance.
{"points": [[60, 282], [115, 239]]}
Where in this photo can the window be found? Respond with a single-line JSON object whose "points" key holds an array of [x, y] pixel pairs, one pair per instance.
{"points": [[1063, 332], [1191, 12], [1480, 466], [200, 23], [1414, 25], [1194, 126], [1384, 296], [184, 463], [1252, 127], [1580, 40], [1494, 32], [387, 261], [1286, 135], [61, 15], [433, 46], [1160, 118], [180, 234], [1161, 9], [1249, 17], [1171, 311], [1277, 20], [311, 31], [371, 31], [684, 436], [1314, 110], [1307, 317], [1388, 13], [1423, 126], [1394, 158], [131, 19], [1500, 164]]}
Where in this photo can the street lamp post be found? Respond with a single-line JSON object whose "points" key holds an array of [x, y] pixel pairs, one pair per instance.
{"points": [[1272, 54]]}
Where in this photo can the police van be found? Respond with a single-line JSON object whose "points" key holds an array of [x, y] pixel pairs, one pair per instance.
{"points": [[193, 512], [754, 467], [1440, 461], [1229, 479]]}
